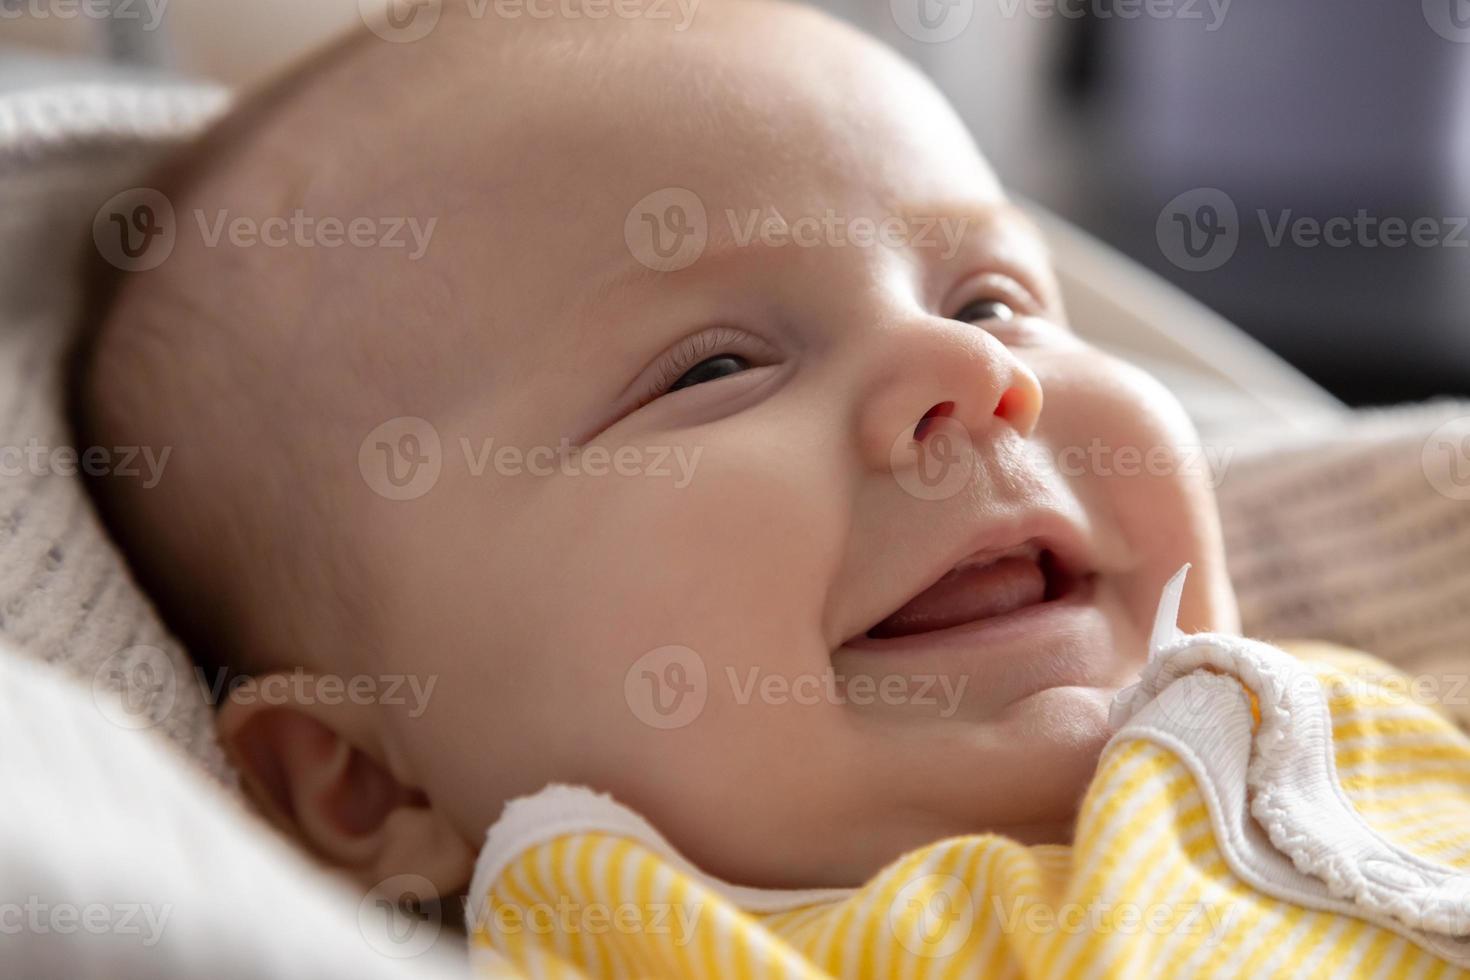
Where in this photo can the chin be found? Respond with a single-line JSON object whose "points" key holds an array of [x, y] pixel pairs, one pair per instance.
{"points": [[1062, 725], [1066, 711], [1060, 734]]}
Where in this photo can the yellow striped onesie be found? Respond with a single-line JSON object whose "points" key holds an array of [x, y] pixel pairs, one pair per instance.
{"points": [[1318, 825]]}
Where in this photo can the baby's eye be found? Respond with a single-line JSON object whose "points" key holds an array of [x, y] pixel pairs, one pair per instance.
{"points": [[982, 310], [711, 369], [711, 355]]}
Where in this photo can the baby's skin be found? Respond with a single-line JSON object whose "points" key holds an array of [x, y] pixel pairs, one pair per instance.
{"points": [[895, 550]]}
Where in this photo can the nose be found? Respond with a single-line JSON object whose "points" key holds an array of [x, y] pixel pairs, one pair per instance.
{"points": [[922, 373]]}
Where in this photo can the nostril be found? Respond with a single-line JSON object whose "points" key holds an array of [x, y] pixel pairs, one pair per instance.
{"points": [[1010, 404], [941, 411]]}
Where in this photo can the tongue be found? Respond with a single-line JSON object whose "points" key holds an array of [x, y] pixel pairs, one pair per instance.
{"points": [[967, 594]]}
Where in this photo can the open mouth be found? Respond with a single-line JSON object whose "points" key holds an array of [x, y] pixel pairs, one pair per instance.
{"points": [[983, 587]]}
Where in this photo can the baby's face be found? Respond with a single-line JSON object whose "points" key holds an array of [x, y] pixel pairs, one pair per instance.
{"points": [[732, 606]]}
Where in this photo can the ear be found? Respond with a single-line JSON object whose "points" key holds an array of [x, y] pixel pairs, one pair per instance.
{"points": [[316, 766]]}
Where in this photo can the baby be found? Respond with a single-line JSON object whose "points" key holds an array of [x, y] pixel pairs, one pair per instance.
{"points": [[705, 456]]}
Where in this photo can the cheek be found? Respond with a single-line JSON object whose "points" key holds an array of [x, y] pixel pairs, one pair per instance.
{"points": [[739, 552], [1126, 446], [568, 615]]}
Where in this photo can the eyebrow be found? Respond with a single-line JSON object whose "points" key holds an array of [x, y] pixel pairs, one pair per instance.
{"points": [[723, 244]]}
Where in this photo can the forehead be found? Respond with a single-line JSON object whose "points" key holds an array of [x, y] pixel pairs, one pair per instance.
{"points": [[741, 121], [752, 103]]}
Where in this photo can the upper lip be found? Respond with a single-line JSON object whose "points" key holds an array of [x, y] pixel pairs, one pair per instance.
{"points": [[1045, 530]]}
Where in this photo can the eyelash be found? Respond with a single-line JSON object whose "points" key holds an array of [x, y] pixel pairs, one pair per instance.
{"points": [[999, 288], [700, 347]]}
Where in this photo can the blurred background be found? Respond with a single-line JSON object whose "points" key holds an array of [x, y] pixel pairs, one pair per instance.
{"points": [[1302, 168]]}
